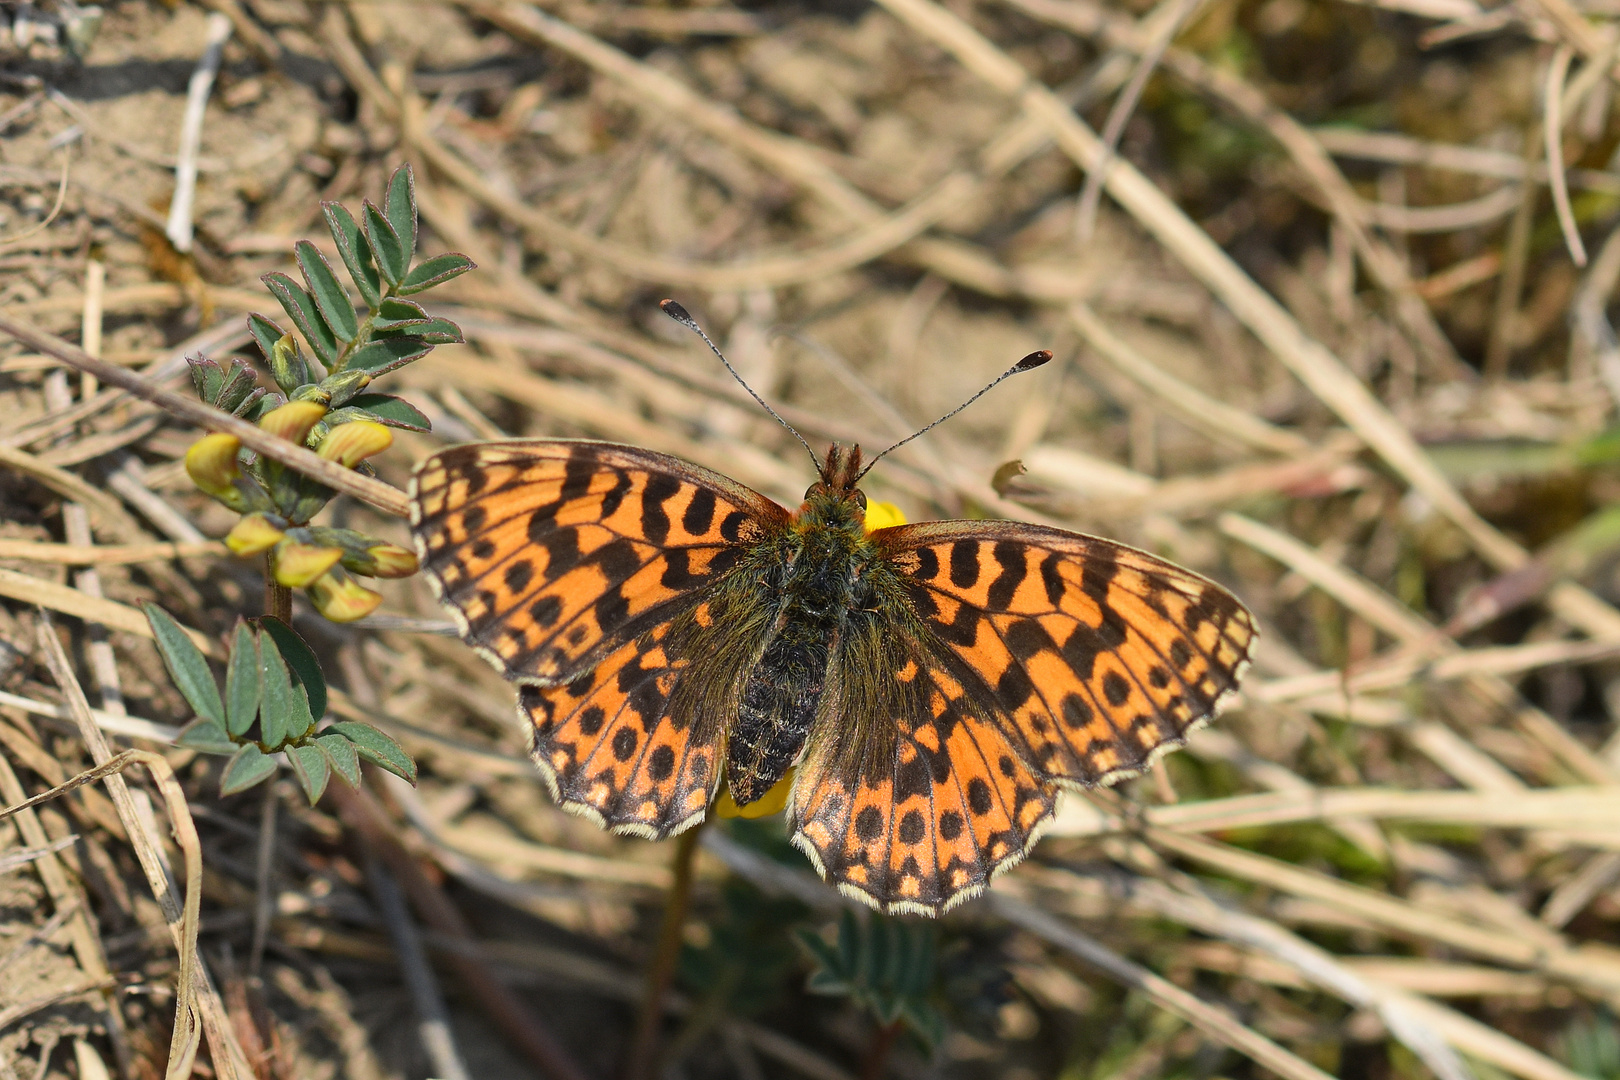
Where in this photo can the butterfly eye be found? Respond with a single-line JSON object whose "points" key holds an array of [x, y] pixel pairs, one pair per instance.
{"points": [[860, 498], [812, 489]]}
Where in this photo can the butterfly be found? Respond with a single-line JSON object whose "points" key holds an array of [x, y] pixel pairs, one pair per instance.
{"points": [[934, 685]]}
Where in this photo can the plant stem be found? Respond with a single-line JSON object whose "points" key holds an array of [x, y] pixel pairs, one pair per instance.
{"points": [[277, 599], [661, 968], [876, 1062]]}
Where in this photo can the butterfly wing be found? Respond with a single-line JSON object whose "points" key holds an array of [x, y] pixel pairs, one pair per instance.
{"points": [[919, 798], [551, 554], [1102, 657], [575, 568]]}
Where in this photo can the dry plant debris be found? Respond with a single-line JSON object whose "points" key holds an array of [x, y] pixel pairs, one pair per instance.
{"points": [[1329, 286]]}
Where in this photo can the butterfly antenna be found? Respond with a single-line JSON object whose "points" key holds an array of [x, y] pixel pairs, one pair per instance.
{"points": [[684, 317], [1028, 363]]}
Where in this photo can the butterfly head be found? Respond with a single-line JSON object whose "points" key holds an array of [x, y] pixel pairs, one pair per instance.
{"points": [[834, 497]]}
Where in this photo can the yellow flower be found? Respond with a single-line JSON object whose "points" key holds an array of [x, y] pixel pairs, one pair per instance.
{"points": [[770, 803], [293, 420], [211, 464], [881, 515], [342, 599], [253, 534], [296, 564], [350, 444], [392, 561]]}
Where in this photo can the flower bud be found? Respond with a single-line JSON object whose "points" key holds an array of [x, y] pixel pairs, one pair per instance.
{"points": [[296, 564], [392, 561], [211, 464], [772, 802], [882, 515], [293, 420], [253, 534], [350, 444], [342, 599]]}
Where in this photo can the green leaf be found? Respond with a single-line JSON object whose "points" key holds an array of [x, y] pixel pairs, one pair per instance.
{"points": [[206, 377], [401, 205], [386, 354], [434, 331], [300, 307], [345, 761], [334, 304], [378, 748], [394, 313], [390, 410], [310, 765], [265, 332], [206, 737], [187, 666], [238, 388], [306, 669], [242, 681], [393, 257], [283, 714], [435, 271], [355, 251], [250, 766]]}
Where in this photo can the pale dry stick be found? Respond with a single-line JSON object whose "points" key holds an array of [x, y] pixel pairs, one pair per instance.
{"points": [[1417, 634], [1085, 216], [196, 988], [1580, 888], [1588, 808], [1449, 10], [378, 494], [1193, 406], [179, 226], [131, 726], [1452, 217], [108, 555], [1592, 971], [1399, 667], [1165, 994], [110, 613], [128, 299], [1557, 72], [1587, 39], [95, 288], [1397, 149]]}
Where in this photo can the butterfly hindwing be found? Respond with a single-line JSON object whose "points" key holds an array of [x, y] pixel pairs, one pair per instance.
{"points": [[613, 750], [917, 807], [553, 553], [1099, 655]]}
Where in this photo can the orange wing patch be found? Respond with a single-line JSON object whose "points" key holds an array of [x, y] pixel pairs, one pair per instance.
{"points": [[610, 750], [1100, 656], [920, 822], [553, 553]]}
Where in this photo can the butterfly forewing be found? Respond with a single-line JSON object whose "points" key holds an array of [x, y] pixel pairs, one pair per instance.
{"points": [[553, 553], [1099, 656]]}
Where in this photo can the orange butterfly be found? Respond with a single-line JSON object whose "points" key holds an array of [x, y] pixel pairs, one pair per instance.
{"points": [[936, 684]]}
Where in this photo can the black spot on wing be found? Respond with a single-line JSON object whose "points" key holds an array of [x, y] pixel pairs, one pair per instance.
{"points": [[661, 488], [699, 512], [1009, 558], [964, 563]]}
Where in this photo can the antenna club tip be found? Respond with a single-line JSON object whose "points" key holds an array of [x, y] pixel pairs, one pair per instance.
{"points": [[1032, 361], [675, 311]]}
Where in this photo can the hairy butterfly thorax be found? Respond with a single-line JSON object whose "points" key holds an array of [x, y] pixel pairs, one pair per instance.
{"points": [[936, 684]]}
